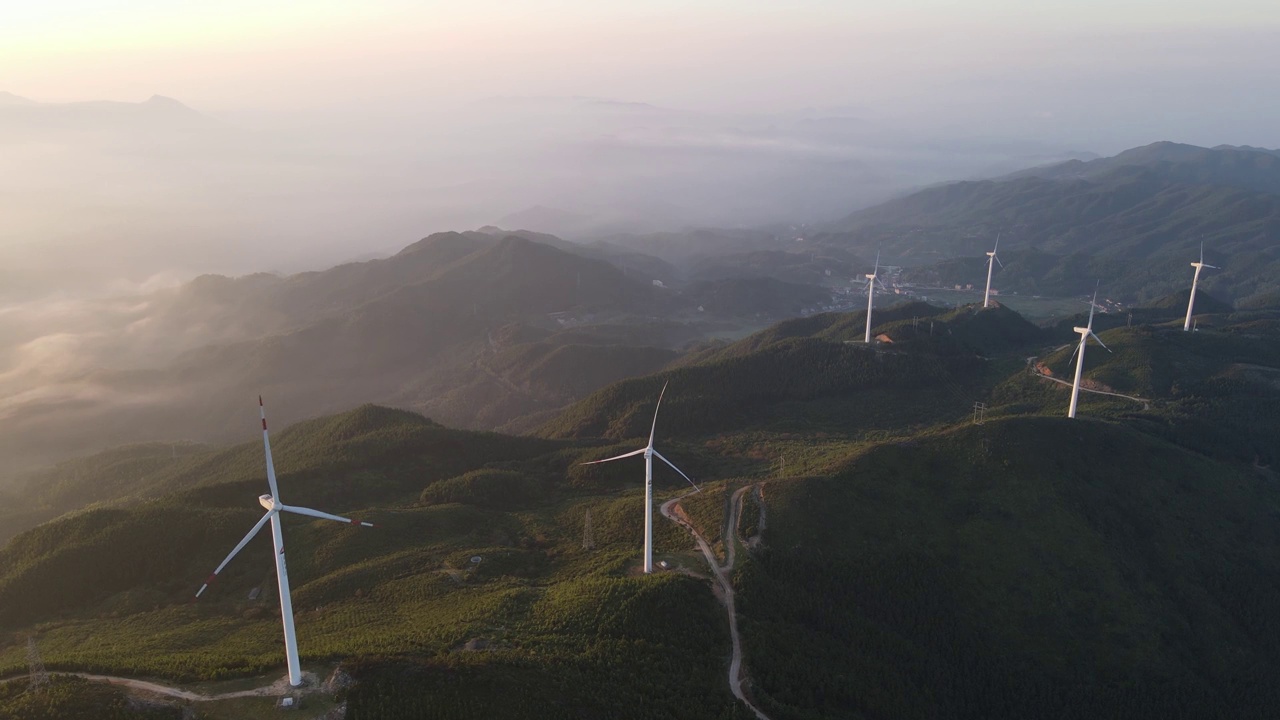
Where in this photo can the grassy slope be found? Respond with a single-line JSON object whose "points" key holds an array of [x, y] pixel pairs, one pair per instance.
{"points": [[1024, 568], [994, 570]]}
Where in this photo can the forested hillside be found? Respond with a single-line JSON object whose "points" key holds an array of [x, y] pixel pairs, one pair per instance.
{"points": [[1133, 221], [1025, 568], [899, 555]]}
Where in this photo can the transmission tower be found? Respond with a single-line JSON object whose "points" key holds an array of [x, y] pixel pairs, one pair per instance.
{"points": [[39, 676], [979, 413], [588, 539]]}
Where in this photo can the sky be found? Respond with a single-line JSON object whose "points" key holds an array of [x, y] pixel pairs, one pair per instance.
{"points": [[246, 57], [363, 126]]}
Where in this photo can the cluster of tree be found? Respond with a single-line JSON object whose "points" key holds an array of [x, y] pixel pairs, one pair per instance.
{"points": [[1029, 568]]}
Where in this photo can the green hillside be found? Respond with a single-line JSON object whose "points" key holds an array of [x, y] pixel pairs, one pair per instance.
{"points": [[909, 562], [804, 384], [75, 699], [1134, 221], [317, 460], [109, 588], [1025, 568]]}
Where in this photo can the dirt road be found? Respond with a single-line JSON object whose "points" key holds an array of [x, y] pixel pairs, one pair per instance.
{"points": [[280, 687], [1146, 404], [726, 587]]}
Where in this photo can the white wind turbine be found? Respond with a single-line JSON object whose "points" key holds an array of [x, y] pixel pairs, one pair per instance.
{"points": [[649, 453], [274, 508], [1195, 279], [871, 294], [1085, 332], [991, 261]]}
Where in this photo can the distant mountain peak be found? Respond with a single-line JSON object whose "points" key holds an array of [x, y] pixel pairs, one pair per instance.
{"points": [[167, 104], [8, 98]]}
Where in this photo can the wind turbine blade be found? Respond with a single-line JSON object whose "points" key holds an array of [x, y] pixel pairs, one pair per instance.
{"points": [[238, 548], [996, 249], [323, 515], [1213, 267], [877, 270], [673, 467], [1104, 345], [1201, 252], [1075, 352], [1093, 304], [618, 457], [997, 259], [266, 445], [654, 428]]}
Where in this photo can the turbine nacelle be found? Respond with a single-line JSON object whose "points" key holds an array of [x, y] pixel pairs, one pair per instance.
{"points": [[269, 503]]}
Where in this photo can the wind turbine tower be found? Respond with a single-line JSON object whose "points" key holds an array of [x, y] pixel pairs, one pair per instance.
{"points": [[991, 261], [1195, 279], [1085, 333], [274, 508], [649, 453], [871, 296]]}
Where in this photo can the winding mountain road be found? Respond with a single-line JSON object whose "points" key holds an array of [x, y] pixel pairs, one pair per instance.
{"points": [[279, 687], [669, 511], [1146, 404]]}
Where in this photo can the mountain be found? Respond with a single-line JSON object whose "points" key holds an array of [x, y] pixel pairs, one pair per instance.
{"points": [[23, 119], [422, 329], [554, 221], [739, 297], [892, 552], [1177, 303], [9, 99], [1227, 166], [1134, 221], [1028, 568], [680, 247], [559, 627], [813, 373]]}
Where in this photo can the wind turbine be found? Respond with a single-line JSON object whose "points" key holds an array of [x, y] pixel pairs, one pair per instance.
{"points": [[1085, 332], [1195, 279], [991, 260], [274, 508], [871, 294], [649, 453]]}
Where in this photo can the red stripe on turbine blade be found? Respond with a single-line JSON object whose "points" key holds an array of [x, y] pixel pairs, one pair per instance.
{"points": [[264, 423], [355, 522], [211, 579], [259, 401]]}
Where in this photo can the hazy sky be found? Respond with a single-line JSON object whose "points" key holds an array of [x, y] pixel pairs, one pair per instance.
{"points": [[358, 130], [260, 56]]}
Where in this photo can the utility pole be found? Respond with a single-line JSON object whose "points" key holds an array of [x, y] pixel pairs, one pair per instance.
{"points": [[979, 413]]}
